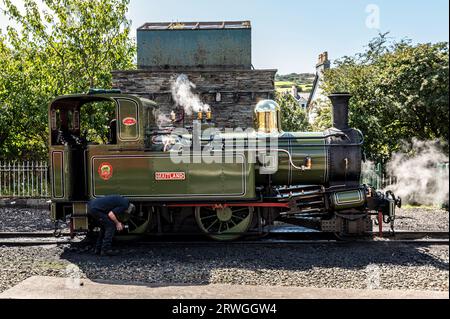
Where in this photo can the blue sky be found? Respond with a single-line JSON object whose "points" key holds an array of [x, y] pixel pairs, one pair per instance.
{"points": [[289, 34]]}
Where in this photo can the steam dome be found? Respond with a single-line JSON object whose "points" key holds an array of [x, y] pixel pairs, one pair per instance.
{"points": [[268, 117], [267, 106]]}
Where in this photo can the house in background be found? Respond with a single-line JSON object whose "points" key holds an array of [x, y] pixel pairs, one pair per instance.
{"points": [[310, 101], [301, 98], [317, 93]]}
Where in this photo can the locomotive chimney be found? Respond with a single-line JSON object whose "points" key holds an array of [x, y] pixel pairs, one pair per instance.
{"points": [[340, 103]]}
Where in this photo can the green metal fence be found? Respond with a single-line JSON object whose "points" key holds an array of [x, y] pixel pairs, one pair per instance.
{"points": [[376, 177]]}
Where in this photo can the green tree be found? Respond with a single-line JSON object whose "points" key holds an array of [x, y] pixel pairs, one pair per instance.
{"points": [[400, 91], [323, 119], [67, 47], [293, 117]]}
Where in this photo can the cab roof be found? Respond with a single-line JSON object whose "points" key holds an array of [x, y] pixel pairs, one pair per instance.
{"points": [[100, 95]]}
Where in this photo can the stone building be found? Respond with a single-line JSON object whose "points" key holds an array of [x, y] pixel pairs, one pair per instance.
{"points": [[322, 65], [215, 56], [317, 96]]}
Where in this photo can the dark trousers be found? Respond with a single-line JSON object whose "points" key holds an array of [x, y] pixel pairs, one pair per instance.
{"points": [[107, 230]]}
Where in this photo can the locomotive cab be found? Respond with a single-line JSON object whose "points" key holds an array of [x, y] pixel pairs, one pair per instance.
{"points": [[80, 125]]}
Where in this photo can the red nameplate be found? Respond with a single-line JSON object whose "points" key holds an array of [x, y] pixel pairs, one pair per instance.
{"points": [[170, 176]]}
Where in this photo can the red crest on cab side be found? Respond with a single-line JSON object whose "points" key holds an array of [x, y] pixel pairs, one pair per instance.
{"points": [[105, 171]]}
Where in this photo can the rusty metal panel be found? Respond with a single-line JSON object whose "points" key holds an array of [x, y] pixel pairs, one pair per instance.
{"points": [[189, 45]]}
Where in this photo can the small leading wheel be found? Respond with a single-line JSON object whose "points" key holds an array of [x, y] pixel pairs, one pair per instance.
{"points": [[224, 224]]}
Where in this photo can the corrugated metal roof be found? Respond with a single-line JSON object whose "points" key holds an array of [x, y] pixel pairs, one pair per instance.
{"points": [[154, 26]]}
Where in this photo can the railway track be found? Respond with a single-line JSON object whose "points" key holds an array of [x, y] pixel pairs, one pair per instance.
{"points": [[290, 238], [33, 239]]}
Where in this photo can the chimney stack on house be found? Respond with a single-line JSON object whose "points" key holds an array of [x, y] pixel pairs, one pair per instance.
{"points": [[323, 63]]}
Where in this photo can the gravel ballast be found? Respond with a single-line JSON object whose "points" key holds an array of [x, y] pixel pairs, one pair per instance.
{"points": [[350, 265], [25, 220], [422, 219], [322, 266]]}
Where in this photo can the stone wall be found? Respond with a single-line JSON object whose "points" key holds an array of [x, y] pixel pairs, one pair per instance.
{"points": [[239, 90]]}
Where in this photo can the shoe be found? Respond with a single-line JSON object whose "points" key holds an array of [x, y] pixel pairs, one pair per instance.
{"points": [[109, 253]]}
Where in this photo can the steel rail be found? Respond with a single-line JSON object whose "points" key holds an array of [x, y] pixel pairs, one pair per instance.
{"points": [[31, 243], [240, 243], [265, 243], [273, 239], [32, 234], [18, 239], [283, 231]]}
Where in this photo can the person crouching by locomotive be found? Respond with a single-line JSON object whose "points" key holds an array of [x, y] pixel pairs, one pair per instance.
{"points": [[105, 211]]}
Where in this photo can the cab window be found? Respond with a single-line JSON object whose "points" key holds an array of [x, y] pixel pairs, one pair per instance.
{"points": [[128, 120], [98, 123]]}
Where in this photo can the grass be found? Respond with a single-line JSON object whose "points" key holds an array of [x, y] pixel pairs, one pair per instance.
{"points": [[283, 90], [284, 86]]}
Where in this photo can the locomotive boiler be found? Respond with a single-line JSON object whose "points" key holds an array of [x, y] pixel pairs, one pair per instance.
{"points": [[200, 180]]}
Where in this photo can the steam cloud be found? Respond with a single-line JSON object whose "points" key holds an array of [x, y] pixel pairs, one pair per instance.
{"points": [[162, 120], [183, 95], [419, 181]]}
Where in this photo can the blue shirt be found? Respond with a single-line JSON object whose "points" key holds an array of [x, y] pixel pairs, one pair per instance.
{"points": [[105, 205]]}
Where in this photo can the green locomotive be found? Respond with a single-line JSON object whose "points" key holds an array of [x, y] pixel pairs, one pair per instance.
{"points": [[225, 185]]}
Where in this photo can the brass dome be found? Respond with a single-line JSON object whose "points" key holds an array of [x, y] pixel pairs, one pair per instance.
{"points": [[268, 116]]}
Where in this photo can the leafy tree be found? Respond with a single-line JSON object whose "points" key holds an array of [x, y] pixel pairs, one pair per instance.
{"points": [[323, 119], [68, 47], [293, 117], [400, 91]]}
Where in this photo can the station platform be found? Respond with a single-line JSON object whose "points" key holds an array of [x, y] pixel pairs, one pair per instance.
{"points": [[64, 288]]}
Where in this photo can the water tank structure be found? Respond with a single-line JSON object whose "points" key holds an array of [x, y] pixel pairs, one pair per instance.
{"points": [[195, 44]]}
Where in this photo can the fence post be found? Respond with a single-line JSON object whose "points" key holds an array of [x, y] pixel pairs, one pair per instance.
{"points": [[46, 179], [14, 178], [9, 178], [28, 178], [18, 178], [32, 179], [1, 173], [42, 179]]}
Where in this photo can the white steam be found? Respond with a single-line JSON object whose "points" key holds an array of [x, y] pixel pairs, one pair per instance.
{"points": [[183, 95], [419, 180], [162, 120]]}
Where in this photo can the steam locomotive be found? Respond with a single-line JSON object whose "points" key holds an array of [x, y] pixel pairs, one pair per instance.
{"points": [[185, 182]]}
